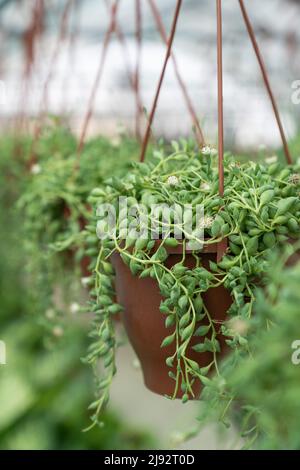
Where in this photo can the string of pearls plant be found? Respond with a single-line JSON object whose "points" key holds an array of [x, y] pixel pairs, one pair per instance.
{"points": [[259, 210]]}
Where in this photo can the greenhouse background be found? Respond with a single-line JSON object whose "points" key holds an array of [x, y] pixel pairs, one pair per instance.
{"points": [[74, 68], [45, 387]]}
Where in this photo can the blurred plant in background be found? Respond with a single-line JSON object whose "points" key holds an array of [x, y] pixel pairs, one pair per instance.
{"points": [[44, 391], [54, 210], [261, 391]]}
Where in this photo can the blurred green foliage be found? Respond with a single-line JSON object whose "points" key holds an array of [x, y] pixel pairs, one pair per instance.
{"points": [[269, 381], [261, 386], [44, 391]]}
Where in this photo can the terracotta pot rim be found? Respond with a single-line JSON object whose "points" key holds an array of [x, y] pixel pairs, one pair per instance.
{"points": [[178, 250], [212, 248]]}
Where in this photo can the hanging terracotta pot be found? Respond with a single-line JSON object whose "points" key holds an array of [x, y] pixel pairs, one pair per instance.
{"points": [[145, 325]]}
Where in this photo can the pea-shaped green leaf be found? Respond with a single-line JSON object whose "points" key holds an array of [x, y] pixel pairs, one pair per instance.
{"points": [[252, 246], [202, 330], [168, 341], [284, 205], [267, 196]]}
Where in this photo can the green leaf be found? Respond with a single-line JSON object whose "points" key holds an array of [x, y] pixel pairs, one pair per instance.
{"points": [[194, 365], [105, 301], [293, 225], [200, 348], [134, 267], [145, 273], [269, 239], [130, 241], [107, 267], [267, 196], [236, 250], [171, 242], [169, 361], [207, 382], [170, 320], [183, 302], [164, 308], [202, 330], [213, 266], [284, 205], [141, 243], [179, 269], [252, 246], [225, 230], [205, 370], [198, 304], [185, 398], [215, 229], [161, 254], [168, 341], [115, 308], [184, 320], [187, 332], [207, 346]]}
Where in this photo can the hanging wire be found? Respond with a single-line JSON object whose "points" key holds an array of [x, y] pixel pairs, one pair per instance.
{"points": [[223, 244], [61, 36], [161, 29], [29, 39], [44, 100], [266, 80], [74, 35], [220, 97], [129, 70], [161, 79], [106, 42], [137, 75]]}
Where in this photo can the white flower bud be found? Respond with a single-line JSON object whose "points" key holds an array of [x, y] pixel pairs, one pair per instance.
{"points": [[271, 160], [173, 181], [74, 308], [36, 169]]}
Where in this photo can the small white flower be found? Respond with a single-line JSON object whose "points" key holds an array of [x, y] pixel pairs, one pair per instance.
{"points": [[115, 141], [74, 308], [271, 160], [294, 179], [233, 165], [50, 313], [57, 331], [205, 186], [238, 326], [35, 169], [177, 439], [173, 181], [206, 150], [206, 221], [136, 364], [85, 281]]}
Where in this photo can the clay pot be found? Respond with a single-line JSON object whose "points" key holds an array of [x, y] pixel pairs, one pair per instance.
{"points": [[145, 326]]}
